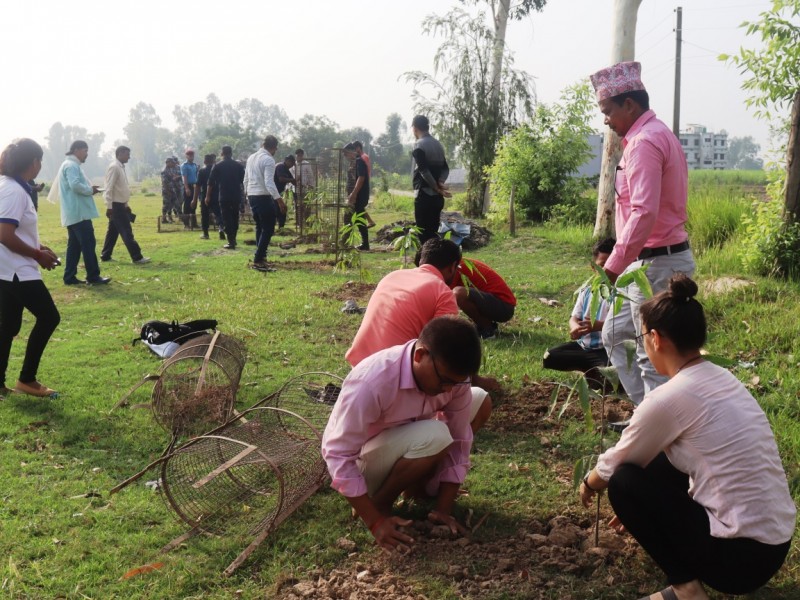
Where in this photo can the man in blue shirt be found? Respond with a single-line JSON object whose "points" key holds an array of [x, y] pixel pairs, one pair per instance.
{"points": [[77, 211], [189, 175]]}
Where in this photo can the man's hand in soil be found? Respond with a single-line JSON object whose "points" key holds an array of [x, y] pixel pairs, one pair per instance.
{"points": [[441, 518], [389, 537]]}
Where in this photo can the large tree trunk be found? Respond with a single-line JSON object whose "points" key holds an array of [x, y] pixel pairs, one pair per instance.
{"points": [[500, 24], [622, 49], [791, 191]]}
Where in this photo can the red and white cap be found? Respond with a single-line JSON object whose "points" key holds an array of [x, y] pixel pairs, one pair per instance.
{"points": [[618, 79]]}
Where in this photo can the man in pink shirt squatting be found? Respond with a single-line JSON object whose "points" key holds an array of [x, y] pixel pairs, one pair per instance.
{"points": [[401, 424], [651, 195], [405, 301]]}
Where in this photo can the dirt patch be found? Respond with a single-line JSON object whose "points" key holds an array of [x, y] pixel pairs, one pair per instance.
{"points": [[524, 564], [723, 285], [357, 290], [527, 410], [478, 238]]}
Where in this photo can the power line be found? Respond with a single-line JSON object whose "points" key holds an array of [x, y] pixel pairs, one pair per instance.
{"points": [[666, 35], [656, 26], [702, 48]]}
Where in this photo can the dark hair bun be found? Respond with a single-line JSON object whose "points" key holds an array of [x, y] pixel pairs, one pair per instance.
{"points": [[682, 288]]}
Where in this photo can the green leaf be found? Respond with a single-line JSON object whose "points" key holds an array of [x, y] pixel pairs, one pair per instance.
{"points": [[720, 361], [630, 352], [641, 280], [583, 396], [553, 399]]}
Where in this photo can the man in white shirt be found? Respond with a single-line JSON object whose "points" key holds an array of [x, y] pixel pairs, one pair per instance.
{"points": [[116, 195], [263, 195]]}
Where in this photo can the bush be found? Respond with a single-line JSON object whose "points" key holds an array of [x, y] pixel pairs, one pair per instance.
{"points": [[714, 219], [770, 245], [580, 209]]}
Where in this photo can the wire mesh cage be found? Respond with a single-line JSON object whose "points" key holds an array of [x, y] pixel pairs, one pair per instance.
{"points": [[196, 387], [325, 208], [310, 395], [246, 477]]}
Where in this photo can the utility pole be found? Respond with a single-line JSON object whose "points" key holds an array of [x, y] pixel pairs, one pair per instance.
{"points": [[676, 109]]}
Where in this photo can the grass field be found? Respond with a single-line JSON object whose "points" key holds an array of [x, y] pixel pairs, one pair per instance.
{"points": [[63, 536]]}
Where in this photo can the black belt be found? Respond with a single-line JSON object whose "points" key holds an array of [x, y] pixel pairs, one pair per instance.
{"points": [[663, 250]]}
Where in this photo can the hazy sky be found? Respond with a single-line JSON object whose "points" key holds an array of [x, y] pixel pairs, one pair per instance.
{"points": [[87, 63]]}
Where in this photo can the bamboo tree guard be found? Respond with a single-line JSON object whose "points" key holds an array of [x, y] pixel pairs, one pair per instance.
{"points": [[310, 395], [245, 478]]}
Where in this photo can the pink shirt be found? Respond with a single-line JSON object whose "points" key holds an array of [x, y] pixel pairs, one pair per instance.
{"points": [[651, 192], [711, 428], [401, 305], [381, 393]]}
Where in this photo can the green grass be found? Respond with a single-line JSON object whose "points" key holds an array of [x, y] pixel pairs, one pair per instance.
{"points": [[57, 542]]}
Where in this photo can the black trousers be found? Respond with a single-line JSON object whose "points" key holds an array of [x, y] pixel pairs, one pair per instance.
{"points": [[15, 296], [230, 220], [359, 207], [572, 357], [119, 225], [205, 214], [654, 505], [428, 214], [190, 214]]}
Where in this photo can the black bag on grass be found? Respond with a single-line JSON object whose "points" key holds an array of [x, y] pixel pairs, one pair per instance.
{"points": [[160, 332]]}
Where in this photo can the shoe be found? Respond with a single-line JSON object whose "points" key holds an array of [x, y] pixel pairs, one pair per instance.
{"points": [[619, 426], [666, 594], [221, 235], [489, 333], [74, 281], [362, 248], [99, 281], [104, 259], [204, 236], [34, 388], [230, 246], [4, 392], [142, 261]]}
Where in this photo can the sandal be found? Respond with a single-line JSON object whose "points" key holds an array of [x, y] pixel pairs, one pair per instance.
{"points": [[34, 388], [666, 594]]}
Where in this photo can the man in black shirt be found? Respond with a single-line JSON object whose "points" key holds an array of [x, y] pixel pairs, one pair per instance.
{"points": [[358, 198], [200, 192], [430, 173], [283, 176], [226, 177]]}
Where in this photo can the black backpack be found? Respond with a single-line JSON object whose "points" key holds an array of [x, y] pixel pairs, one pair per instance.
{"points": [[159, 332]]}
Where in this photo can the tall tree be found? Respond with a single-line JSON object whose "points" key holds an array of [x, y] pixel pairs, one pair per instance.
{"points": [[774, 82], [743, 153], [196, 119], [390, 152], [623, 47], [59, 139], [252, 114], [143, 132], [461, 106], [313, 133], [502, 10]]}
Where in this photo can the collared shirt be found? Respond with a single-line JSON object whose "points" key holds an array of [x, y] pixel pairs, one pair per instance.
{"points": [[651, 187], [482, 277], [282, 172], [402, 304], [305, 177], [16, 208], [117, 189], [77, 203], [259, 175], [712, 429], [381, 393], [583, 311], [189, 171], [430, 164]]}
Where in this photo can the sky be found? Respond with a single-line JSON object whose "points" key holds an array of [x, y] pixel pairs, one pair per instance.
{"points": [[88, 63]]}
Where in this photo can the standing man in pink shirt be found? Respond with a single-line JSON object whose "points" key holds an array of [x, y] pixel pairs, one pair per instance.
{"points": [[651, 196]]}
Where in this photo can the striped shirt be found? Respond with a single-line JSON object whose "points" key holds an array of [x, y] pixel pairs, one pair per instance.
{"points": [[593, 340]]}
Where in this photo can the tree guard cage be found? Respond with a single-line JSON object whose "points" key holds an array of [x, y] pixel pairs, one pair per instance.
{"points": [[245, 478], [310, 396], [326, 208]]}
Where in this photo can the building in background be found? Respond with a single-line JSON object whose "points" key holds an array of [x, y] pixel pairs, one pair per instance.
{"points": [[704, 149]]}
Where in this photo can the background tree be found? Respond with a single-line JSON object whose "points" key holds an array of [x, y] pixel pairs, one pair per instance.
{"points": [[196, 119], [390, 152], [252, 114], [539, 159], [59, 139], [243, 141], [144, 134], [313, 133], [774, 82], [461, 109], [743, 154]]}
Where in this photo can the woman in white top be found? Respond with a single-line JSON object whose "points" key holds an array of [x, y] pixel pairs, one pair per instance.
{"points": [[696, 478], [21, 255]]}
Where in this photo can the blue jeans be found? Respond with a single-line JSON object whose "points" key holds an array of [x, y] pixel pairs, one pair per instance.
{"points": [[81, 240], [264, 215]]}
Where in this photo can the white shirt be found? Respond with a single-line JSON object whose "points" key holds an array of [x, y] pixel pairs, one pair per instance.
{"points": [[711, 428], [259, 175], [305, 177], [117, 189], [16, 207]]}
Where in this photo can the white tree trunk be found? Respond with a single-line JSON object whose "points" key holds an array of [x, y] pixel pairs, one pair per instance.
{"points": [[791, 192], [500, 18], [622, 49]]}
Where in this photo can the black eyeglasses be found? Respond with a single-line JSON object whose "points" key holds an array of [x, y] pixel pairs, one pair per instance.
{"points": [[444, 381], [640, 337]]}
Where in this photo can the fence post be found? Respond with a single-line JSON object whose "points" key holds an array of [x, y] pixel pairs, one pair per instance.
{"points": [[512, 220]]}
